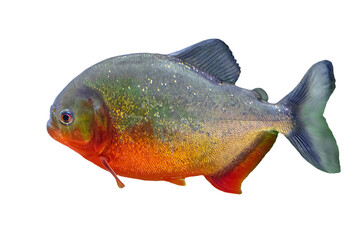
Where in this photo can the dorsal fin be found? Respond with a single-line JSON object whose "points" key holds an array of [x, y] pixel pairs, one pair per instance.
{"points": [[230, 180], [213, 57]]}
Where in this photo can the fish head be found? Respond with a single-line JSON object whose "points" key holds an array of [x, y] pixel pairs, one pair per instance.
{"points": [[79, 119]]}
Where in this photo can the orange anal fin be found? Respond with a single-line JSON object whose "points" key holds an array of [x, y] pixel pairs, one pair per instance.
{"points": [[230, 180], [179, 181], [105, 162]]}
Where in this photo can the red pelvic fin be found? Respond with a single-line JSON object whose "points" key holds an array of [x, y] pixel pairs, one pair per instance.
{"points": [[230, 180], [179, 181]]}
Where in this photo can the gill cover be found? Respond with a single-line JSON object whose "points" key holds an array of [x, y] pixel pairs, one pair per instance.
{"points": [[79, 120]]}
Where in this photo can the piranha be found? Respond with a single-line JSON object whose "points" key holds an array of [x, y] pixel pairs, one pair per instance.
{"points": [[168, 117]]}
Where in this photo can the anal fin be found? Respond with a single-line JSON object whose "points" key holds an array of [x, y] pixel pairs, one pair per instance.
{"points": [[230, 179]]}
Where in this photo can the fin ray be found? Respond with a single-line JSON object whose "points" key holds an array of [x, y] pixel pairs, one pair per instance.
{"points": [[213, 57], [311, 135]]}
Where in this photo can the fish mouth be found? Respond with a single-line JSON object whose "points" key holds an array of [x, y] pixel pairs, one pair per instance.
{"points": [[50, 129], [53, 131]]}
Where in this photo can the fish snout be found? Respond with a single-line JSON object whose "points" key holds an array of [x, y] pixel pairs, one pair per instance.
{"points": [[52, 115], [51, 125], [52, 109]]}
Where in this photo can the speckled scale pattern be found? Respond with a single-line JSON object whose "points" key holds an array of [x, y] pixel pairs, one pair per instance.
{"points": [[172, 121]]}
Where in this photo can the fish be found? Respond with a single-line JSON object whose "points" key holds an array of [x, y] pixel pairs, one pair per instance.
{"points": [[166, 117]]}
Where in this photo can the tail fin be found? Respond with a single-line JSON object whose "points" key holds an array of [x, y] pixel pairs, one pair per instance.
{"points": [[311, 135]]}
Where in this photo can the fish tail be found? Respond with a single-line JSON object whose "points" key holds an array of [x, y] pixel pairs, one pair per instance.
{"points": [[310, 133]]}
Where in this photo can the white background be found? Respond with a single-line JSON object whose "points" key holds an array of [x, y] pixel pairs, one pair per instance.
{"points": [[50, 192]]}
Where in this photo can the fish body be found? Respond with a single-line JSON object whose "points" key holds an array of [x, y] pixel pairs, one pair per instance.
{"points": [[168, 117]]}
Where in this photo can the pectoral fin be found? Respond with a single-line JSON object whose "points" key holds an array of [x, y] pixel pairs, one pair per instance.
{"points": [[230, 179], [105, 162]]}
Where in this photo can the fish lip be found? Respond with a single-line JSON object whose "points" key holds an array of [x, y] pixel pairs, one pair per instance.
{"points": [[49, 128], [53, 132]]}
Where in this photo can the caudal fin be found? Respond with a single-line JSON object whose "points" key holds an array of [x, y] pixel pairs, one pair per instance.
{"points": [[311, 135]]}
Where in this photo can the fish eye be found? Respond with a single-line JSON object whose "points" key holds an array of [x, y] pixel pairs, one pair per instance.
{"points": [[66, 117]]}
